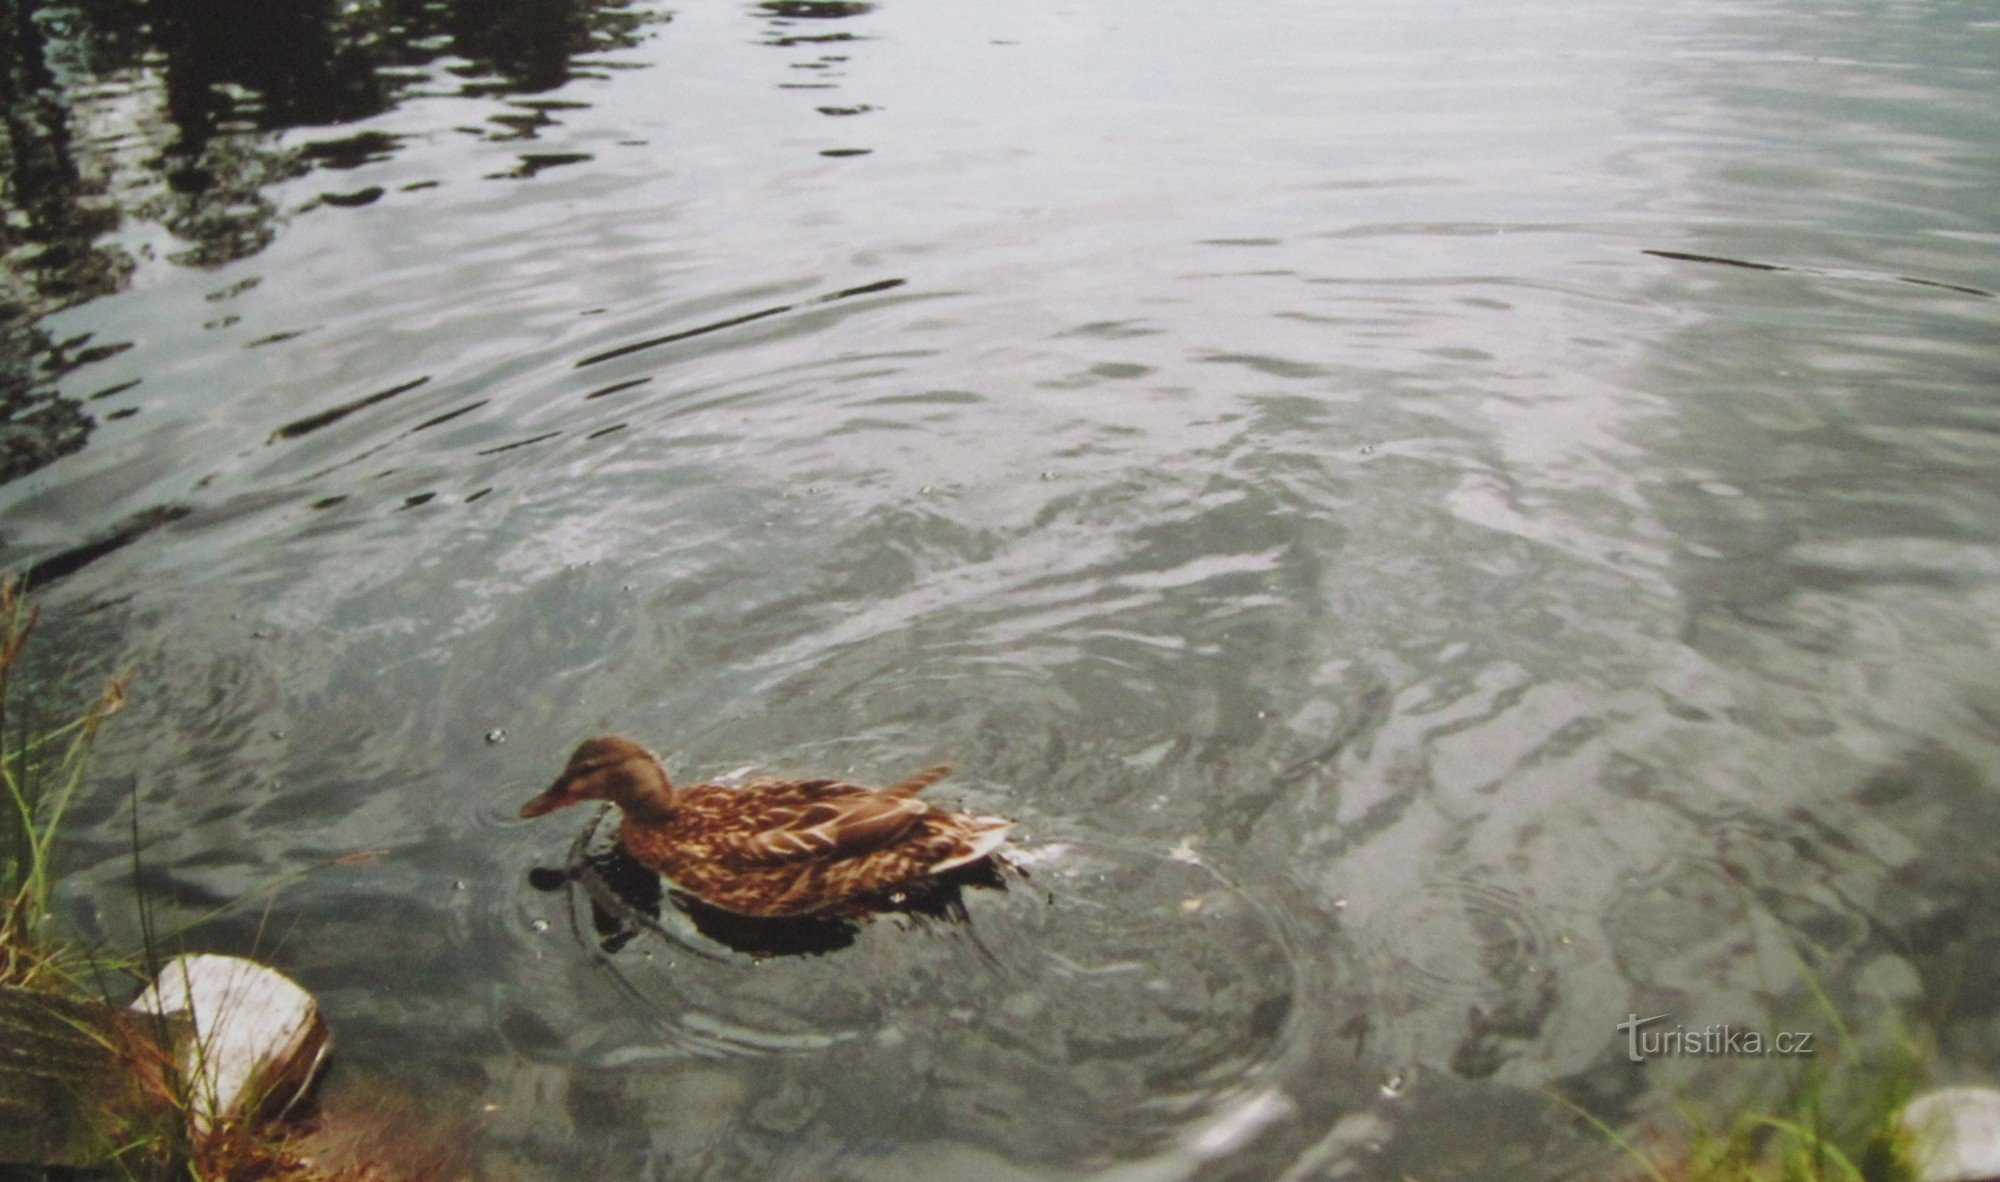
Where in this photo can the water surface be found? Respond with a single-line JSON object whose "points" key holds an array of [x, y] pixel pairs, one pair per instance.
{"points": [[1448, 526]]}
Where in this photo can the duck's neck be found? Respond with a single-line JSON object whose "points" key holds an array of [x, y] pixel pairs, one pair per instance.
{"points": [[645, 794]]}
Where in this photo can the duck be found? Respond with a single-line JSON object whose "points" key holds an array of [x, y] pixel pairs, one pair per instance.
{"points": [[776, 848]]}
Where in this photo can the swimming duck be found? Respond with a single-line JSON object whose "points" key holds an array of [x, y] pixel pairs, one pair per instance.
{"points": [[775, 847]]}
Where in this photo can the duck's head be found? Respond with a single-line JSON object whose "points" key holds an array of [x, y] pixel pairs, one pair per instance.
{"points": [[613, 769]]}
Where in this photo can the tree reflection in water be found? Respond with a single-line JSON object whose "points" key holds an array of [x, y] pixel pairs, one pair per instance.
{"points": [[171, 111]]}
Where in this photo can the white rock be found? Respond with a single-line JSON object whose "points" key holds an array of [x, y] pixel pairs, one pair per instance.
{"points": [[1957, 1131], [258, 1037]]}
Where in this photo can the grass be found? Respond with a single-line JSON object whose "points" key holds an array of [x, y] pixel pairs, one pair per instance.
{"points": [[41, 768], [1815, 1133], [43, 760], [1839, 1119]]}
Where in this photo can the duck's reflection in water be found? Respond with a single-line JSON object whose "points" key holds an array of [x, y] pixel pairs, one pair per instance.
{"points": [[626, 899]]}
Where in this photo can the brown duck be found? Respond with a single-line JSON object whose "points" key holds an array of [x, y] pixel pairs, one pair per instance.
{"points": [[775, 847]]}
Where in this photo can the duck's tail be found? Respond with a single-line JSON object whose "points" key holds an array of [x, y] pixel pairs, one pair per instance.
{"points": [[917, 783], [981, 836]]}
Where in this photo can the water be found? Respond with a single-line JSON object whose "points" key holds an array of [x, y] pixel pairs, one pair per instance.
{"points": [[1415, 626]]}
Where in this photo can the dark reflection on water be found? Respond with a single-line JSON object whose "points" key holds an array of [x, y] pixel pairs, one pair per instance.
{"points": [[817, 10], [192, 95], [1448, 526], [67, 562], [229, 75], [1715, 260]]}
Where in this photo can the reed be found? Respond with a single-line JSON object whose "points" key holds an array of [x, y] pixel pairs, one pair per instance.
{"points": [[1838, 1118], [44, 754], [42, 764]]}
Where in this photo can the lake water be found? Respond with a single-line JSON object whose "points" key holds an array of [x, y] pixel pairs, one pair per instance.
{"points": [[1449, 525]]}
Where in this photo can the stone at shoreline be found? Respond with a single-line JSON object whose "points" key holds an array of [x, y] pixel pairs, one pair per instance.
{"points": [[1957, 1133], [258, 1038]]}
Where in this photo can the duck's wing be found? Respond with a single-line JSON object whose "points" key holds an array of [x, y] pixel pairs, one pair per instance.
{"points": [[917, 783], [832, 827]]}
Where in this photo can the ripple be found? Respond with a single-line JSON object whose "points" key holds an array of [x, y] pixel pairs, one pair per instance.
{"points": [[1142, 988], [1253, 447], [1461, 959]]}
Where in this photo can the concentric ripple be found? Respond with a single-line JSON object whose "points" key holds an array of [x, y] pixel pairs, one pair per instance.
{"points": [[1133, 990]]}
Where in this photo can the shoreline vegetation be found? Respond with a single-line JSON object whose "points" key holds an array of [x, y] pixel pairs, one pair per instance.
{"points": [[1842, 1119], [42, 765], [92, 1089]]}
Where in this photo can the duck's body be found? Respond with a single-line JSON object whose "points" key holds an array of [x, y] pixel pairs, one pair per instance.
{"points": [[775, 847]]}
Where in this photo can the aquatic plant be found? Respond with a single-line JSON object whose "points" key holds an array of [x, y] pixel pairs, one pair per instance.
{"points": [[41, 768], [1838, 1119]]}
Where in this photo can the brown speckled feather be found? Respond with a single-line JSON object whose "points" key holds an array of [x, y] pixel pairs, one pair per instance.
{"points": [[774, 847], [799, 847]]}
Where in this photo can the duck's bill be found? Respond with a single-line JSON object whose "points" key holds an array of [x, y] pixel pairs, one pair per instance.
{"points": [[547, 802]]}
